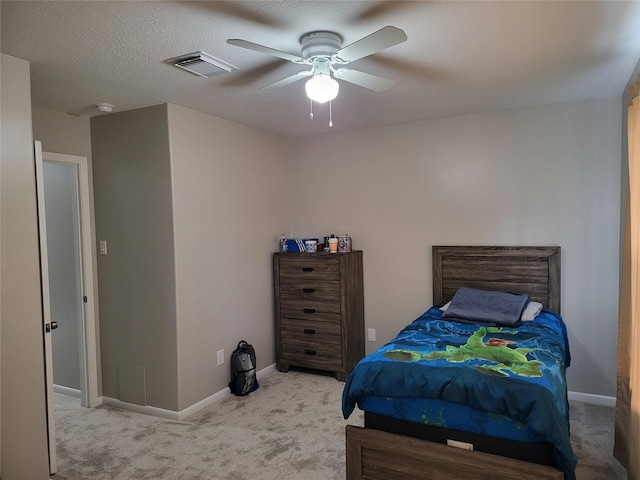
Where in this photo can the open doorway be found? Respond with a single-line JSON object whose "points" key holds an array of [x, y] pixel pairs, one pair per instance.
{"points": [[70, 268]]}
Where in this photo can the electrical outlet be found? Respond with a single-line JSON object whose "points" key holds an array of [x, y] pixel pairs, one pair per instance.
{"points": [[220, 357], [371, 334]]}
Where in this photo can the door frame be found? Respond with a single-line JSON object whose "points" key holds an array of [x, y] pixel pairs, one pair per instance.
{"points": [[89, 368]]}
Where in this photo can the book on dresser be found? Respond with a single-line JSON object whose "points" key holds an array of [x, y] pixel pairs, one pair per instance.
{"points": [[319, 311]]}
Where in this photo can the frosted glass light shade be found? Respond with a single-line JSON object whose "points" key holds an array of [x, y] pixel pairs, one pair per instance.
{"points": [[322, 88]]}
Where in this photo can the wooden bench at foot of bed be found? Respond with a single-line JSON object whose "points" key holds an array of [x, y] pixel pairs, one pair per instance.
{"points": [[377, 455]]}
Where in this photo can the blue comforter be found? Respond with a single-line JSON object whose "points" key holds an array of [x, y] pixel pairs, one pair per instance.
{"points": [[515, 371]]}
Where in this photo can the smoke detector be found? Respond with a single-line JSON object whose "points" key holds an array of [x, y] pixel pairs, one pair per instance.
{"points": [[202, 64], [104, 107]]}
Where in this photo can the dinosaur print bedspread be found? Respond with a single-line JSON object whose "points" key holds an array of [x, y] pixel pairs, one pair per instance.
{"points": [[518, 372]]}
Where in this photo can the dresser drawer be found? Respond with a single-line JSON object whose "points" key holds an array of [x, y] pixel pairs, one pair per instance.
{"points": [[312, 354], [308, 310], [302, 268], [292, 329], [309, 290]]}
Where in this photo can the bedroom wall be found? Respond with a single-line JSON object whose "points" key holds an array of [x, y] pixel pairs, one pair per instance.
{"points": [[133, 208], [231, 200], [23, 433], [546, 175], [61, 132], [192, 207]]}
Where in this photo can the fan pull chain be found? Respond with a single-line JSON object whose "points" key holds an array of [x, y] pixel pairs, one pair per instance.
{"points": [[330, 117], [311, 107]]}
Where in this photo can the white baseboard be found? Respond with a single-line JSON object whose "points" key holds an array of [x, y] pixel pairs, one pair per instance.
{"points": [[592, 398], [72, 392], [182, 414], [155, 411]]}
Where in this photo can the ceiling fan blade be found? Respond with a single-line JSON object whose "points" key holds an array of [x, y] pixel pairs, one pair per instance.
{"points": [[235, 11], [266, 50], [382, 9], [425, 72], [365, 80], [249, 76], [289, 80], [384, 38]]}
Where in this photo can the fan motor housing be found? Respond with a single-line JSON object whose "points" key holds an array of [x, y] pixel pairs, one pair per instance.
{"points": [[320, 44]]}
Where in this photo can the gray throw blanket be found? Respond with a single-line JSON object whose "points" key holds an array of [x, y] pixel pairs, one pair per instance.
{"points": [[486, 307]]}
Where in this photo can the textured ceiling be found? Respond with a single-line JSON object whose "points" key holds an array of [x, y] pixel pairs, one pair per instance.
{"points": [[460, 57]]}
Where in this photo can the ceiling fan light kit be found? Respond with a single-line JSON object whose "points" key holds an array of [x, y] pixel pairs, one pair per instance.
{"points": [[322, 88], [323, 51]]}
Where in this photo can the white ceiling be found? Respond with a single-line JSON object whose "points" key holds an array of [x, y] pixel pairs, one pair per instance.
{"points": [[461, 57]]}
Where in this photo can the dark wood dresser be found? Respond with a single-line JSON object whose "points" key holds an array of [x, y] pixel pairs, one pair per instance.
{"points": [[319, 311]]}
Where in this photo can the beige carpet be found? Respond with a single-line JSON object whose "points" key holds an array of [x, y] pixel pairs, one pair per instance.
{"points": [[290, 428]]}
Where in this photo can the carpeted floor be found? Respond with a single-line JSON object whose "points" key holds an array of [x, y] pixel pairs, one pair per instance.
{"points": [[290, 428]]}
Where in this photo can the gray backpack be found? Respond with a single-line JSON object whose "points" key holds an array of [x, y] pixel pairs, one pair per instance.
{"points": [[243, 370]]}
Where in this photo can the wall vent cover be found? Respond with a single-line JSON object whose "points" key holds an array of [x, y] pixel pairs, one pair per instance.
{"points": [[202, 64]]}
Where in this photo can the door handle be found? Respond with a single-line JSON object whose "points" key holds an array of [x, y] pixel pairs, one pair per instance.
{"points": [[50, 326]]}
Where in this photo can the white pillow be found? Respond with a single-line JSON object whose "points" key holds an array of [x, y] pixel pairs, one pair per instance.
{"points": [[445, 306], [531, 311]]}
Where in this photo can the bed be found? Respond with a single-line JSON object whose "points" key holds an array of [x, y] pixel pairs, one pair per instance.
{"points": [[495, 391]]}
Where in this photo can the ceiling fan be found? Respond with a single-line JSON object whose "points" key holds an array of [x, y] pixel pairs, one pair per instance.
{"points": [[323, 52]]}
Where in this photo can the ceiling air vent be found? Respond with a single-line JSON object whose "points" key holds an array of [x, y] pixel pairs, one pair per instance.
{"points": [[202, 64]]}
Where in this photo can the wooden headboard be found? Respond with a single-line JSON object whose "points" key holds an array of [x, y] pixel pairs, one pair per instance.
{"points": [[532, 270]]}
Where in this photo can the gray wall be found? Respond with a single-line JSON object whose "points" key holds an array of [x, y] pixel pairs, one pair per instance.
{"points": [[60, 132], [133, 208], [191, 210], [547, 175], [232, 200], [23, 436]]}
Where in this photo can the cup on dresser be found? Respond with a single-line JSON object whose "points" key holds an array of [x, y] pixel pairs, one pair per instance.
{"points": [[310, 246], [333, 245], [344, 243]]}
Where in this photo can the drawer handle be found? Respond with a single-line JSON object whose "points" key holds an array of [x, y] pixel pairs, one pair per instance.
{"points": [[307, 269], [309, 351], [309, 310], [310, 331], [308, 290]]}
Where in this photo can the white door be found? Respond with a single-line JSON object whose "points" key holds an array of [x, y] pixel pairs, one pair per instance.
{"points": [[46, 311]]}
